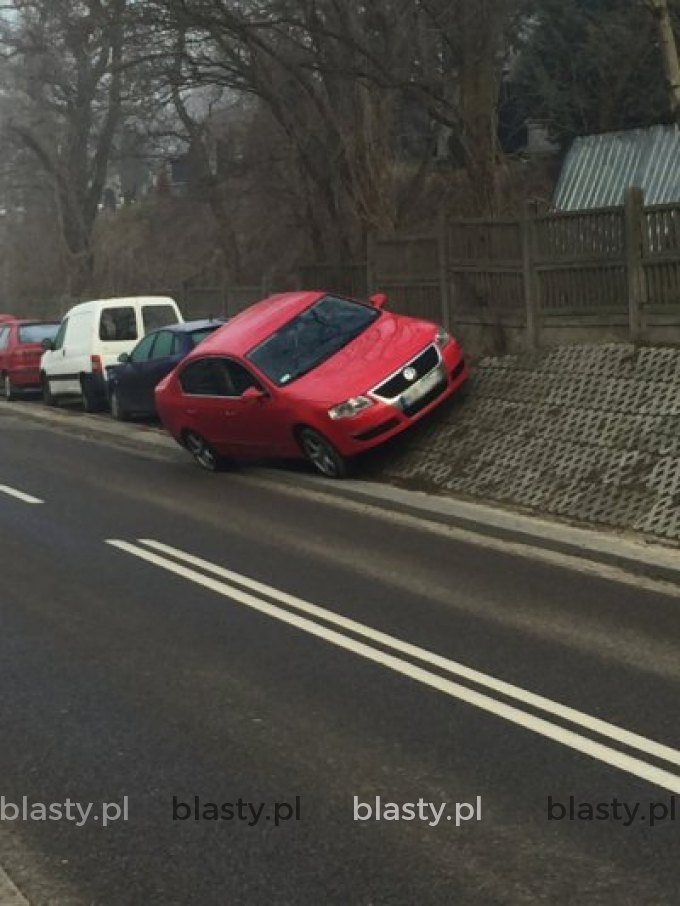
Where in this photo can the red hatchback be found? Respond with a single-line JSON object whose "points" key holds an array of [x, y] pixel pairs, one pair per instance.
{"points": [[308, 374], [20, 352]]}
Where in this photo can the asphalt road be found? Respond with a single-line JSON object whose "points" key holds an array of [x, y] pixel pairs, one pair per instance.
{"points": [[167, 634]]}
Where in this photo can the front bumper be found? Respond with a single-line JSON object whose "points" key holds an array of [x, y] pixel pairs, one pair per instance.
{"points": [[25, 376], [387, 418]]}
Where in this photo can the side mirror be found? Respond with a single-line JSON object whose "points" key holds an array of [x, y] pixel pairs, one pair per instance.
{"points": [[253, 394], [379, 300], [124, 358], [48, 345]]}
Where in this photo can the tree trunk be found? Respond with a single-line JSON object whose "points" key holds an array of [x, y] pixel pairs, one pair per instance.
{"points": [[669, 50]]}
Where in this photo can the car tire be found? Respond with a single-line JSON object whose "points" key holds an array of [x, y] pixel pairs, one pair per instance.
{"points": [[48, 397], [321, 453], [118, 410], [8, 388], [90, 401], [202, 452]]}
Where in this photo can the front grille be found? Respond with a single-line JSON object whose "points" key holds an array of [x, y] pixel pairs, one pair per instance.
{"points": [[424, 401], [396, 385]]}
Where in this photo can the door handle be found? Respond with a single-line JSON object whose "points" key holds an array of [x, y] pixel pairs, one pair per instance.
{"points": [[190, 412], [229, 412]]}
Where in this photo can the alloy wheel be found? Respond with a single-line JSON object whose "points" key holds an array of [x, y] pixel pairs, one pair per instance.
{"points": [[322, 454], [202, 453]]}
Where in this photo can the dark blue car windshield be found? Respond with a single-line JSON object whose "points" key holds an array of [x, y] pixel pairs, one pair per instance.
{"points": [[311, 338]]}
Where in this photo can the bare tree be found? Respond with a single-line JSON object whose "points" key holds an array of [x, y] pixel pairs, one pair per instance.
{"points": [[65, 62]]}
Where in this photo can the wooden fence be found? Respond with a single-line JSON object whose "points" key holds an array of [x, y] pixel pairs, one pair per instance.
{"points": [[195, 301], [606, 273]]}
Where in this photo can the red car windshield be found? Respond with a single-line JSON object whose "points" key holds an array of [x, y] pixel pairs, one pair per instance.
{"points": [[36, 333], [311, 338]]}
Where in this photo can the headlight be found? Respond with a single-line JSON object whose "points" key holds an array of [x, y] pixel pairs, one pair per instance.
{"points": [[350, 407], [442, 337]]}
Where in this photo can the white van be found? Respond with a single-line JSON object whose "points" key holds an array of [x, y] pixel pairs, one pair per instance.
{"points": [[92, 336]]}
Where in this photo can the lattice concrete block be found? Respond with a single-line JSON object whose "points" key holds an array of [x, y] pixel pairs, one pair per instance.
{"points": [[662, 519]]}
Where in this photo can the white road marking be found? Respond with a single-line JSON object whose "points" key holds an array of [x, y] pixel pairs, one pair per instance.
{"points": [[9, 893], [538, 725], [583, 720], [12, 492]]}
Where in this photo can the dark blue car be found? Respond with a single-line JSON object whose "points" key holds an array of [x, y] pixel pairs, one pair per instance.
{"points": [[132, 382]]}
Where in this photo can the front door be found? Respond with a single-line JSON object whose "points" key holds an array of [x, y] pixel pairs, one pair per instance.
{"points": [[217, 406]]}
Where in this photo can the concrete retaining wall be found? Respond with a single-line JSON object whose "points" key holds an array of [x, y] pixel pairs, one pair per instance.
{"points": [[586, 433]]}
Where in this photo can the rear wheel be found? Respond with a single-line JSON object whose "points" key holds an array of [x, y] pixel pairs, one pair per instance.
{"points": [[202, 452], [323, 455], [118, 410], [90, 401], [47, 395], [8, 386]]}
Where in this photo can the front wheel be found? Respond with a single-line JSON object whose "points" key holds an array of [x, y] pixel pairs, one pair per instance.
{"points": [[118, 410], [10, 392], [202, 452], [322, 454], [48, 398]]}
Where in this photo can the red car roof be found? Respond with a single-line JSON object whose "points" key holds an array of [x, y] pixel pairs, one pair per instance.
{"points": [[252, 326]]}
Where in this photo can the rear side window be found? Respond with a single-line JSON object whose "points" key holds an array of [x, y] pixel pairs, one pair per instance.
{"points": [[36, 333], [155, 316], [197, 336], [118, 324]]}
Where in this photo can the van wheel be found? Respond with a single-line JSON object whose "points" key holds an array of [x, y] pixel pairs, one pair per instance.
{"points": [[90, 401], [47, 396]]}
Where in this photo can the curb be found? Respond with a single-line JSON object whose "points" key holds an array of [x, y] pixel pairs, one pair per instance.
{"points": [[631, 554]]}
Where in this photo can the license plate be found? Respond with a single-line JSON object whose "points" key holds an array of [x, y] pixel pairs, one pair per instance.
{"points": [[422, 388]]}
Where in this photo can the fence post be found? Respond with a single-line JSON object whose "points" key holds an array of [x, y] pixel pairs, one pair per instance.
{"points": [[370, 264], [531, 288], [633, 212], [443, 255]]}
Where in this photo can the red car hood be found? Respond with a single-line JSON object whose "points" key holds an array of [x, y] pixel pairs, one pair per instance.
{"points": [[373, 356]]}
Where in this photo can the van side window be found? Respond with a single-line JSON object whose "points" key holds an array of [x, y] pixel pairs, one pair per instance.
{"points": [[118, 324], [61, 333], [155, 316], [4, 337]]}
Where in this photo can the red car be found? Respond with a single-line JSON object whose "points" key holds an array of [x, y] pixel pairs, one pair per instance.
{"points": [[20, 352], [308, 374]]}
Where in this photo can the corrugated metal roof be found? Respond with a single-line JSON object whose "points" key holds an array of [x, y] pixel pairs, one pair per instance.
{"points": [[599, 168]]}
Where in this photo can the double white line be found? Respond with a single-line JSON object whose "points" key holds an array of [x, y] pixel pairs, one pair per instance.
{"points": [[393, 654]]}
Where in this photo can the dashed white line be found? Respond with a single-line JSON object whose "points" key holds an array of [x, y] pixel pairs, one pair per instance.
{"points": [[19, 495], [597, 750]]}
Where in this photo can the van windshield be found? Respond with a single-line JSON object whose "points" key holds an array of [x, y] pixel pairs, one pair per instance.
{"points": [[155, 316]]}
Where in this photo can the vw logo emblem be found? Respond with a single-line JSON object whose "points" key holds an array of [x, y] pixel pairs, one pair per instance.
{"points": [[409, 374]]}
